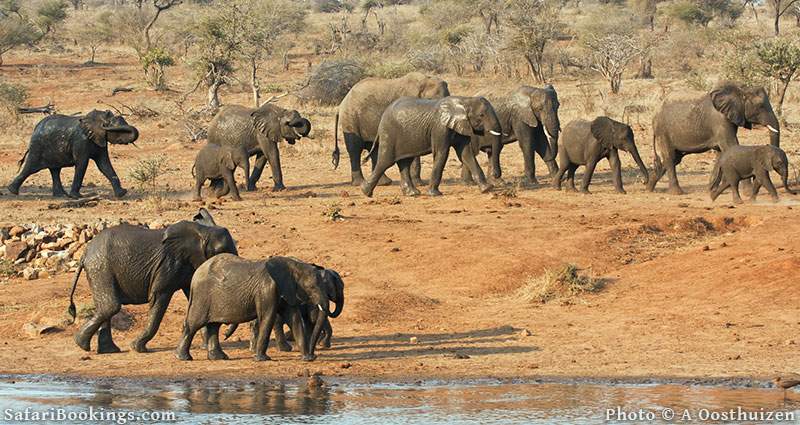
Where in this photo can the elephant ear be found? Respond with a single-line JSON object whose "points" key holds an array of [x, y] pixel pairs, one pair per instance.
{"points": [[729, 101], [523, 108], [453, 114], [266, 119], [204, 217], [227, 160], [285, 280], [92, 125], [185, 241], [602, 129]]}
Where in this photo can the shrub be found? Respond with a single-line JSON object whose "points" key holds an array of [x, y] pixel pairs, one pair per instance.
{"points": [[147, 171], [429, 59], [562, 282], [12, 96], [389, 69]]}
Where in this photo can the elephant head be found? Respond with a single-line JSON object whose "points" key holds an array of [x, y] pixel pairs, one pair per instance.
{"points": [[470, 116], [198, 240], [278, 123], [745, 106], [615, 134], [103, 127], [422, 86], [535, 107], [775, 159]]}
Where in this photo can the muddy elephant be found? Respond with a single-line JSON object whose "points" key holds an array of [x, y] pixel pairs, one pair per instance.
{"points": [[218, 164], [709, 122], [744, 162], [360, 113], [128, 264], [60, 141], [230, 290], [587, 142], [411, 127], [529, 116], [259, 131]]}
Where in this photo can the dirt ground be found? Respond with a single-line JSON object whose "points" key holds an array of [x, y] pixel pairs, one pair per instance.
{"points": [[695, 289]]}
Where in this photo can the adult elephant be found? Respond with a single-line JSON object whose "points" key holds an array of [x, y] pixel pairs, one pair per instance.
{"points": [[128, 264], [528, 115], [709, 122], [361, 109], [411, 127], [259, 130], [60, 141]]}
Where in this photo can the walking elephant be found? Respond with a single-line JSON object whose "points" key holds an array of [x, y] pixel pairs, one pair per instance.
{"points": [[411, 127], [218, 164], [528, 115], [128, 264], [743, 162], [232, 290], [259, 131], [709, 122], [60, 141], [360, 113], [587, 142]]}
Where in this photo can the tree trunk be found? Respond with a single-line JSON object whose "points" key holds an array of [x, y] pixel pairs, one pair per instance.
{"points": [[781, 87], [645, 68], [536, 69], [213, 94], [616, 82], [94, 50], [254, 84], [777, 22]]}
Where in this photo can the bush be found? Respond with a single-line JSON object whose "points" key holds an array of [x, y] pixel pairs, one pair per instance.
{"points": [[389, 69], [430, 59], [331, 80], [12, 96], [563, 282], [332, 6], [147, 171]]}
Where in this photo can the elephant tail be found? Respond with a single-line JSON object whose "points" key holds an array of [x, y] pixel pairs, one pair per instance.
{"points": [[716, 175], [22, 161], [231, 329], [72, 311], [335, 154], [369, 154]]}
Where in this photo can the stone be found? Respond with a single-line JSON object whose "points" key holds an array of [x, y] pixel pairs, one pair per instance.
{"points": [[53, 262], [413, 340], [64, 242], [525, 332], [49, 245], [16, 231], [29, 273], [30, 255], [84, 237], [37, 329], [16, 250], [5, 233], [45, 253], [79, 253]]}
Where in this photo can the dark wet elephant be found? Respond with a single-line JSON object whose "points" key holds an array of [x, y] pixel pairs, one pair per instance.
{"points": [[60, 141], [709, 122], [259, 131], [128, 264]]}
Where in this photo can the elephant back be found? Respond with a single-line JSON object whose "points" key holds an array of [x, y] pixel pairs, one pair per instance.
{"points": [[233, 126]]}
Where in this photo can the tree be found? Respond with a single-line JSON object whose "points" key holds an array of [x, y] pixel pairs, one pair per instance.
{"points": [[15, 32], [49, 14], [780, 8], [780, 61], [610, 54], [219, 39], [534, 23], [161, 6], [95, 31]]}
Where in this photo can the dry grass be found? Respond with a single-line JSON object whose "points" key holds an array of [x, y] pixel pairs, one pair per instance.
{"points": [[564, 282]]}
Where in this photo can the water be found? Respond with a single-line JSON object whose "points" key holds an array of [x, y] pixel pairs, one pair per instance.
{"points": [[480, 402]]}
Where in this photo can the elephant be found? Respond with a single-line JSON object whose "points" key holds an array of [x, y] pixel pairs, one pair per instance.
{"points": [[258, 131], [218, 164], [743, 162], [229, 289], [411, 127], [361, 109], [709, 122], [128, 264], [528, 115], [60, 141], [586, 142]]}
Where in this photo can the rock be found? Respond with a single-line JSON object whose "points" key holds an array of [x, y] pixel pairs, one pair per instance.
{"points": [[44, 274], [460, 356], [30, 255], [789, 342], [29, 273], [79, 253], [16, 250], [413, 340], [84, 237], [5, 234], [63, 243], [84, 358], [16, 231], [49, 245], [45, 253], [36, 329], [346, 365], [54, 262], [123, 320], [525, 332]]}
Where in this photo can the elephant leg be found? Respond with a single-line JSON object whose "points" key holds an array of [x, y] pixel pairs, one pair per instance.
{"points": [[157, 309], [369, 185], [230, 184], [494, 164], [198, 188], [354, 145], [616, 170], [190, 328], [466, 175], [214, 348], [106, 305], [266, 321], [373, 157], [439, 161], [258, 168], [405, 174], [563, 166], [542, 148], [105, 344], [467, 157], [300, 330], [754, 190], [721, 188], [280, 337], [77, 180], [526, 145], [734, 183], [571, 177], [58, 188], [274, 157], [416, 172], [327, 329], [762, 176], [103, 163], [672, 161], [587, 175], [221, 188], [25, 172]]}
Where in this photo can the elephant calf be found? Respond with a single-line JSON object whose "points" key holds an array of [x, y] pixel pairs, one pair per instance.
{"points": [[218, 164], [743, 162], [586, 142]]}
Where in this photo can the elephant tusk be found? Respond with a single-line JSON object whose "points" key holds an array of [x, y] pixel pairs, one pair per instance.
{"points": [[546, 133], [772, 129], [319, 306], [495, 133]]}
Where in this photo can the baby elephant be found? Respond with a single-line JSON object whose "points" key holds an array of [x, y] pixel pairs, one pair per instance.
{"points": [[742, 162], [218, 164], [586, 142]]}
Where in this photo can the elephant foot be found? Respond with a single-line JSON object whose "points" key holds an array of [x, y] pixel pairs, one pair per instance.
{"points": [[309, 357], [621, 191], [120, 193], [139, 346], [434, 192], [485, 188], [236, 198], [585, 191], [675, 190], [366, 190], [497, 181], [572, 189], [74, 195], [261, 358], [278, 188], [251, 187], [467, 182], [410, 191], [418, 182], [217, 355], [59, 193], [13, 189], [529, 182], [108, 348], [356, 180], [84, 343], [183, 355], [384, 181], [326, 344], [556, 185], [284, 346]]}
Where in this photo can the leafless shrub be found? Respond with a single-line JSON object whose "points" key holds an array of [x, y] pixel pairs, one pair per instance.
{"points": [[559, 283]]}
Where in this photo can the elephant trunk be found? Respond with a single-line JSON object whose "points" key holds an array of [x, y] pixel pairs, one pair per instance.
{"points": [[121, 135], [771, 122], [642, 168], [339, 300], [551, 129], [322, 316]]}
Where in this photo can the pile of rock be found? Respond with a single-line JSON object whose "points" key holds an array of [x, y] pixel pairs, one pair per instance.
{"points": [[40, 251]]}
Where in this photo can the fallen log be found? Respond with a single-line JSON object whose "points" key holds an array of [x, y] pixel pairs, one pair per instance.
{"points": [[47, 109], [75, 203]]}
